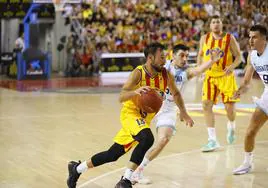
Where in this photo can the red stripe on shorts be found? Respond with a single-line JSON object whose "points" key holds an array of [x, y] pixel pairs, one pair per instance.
{"points": [[215, 93], [209, 89], [223, 96]]}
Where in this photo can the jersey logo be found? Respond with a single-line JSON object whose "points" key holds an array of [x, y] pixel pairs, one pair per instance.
{"points": [[211, 50]]}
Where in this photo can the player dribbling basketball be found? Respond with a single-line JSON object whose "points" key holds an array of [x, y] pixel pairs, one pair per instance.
{"points": [[135, 129], [165, 119], [151, 101]]}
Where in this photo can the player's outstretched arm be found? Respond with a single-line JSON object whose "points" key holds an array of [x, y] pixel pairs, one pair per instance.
{"points": [[215, 55], [129, 89], [179, 101], [246, 80]]}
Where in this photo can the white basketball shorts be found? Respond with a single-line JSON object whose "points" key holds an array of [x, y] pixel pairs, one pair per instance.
{"points": [[166, 118], [262, 102]]}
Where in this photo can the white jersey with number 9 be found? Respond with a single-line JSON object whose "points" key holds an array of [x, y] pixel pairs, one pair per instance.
{"points": [[260, 64]]}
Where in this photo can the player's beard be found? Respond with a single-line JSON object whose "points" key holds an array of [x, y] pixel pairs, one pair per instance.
{"points": [[157, 68]]}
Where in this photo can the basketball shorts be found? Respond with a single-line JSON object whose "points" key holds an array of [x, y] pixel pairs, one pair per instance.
{"points": [[215, 86], [262, 102], [167, 116], [133, 121]]}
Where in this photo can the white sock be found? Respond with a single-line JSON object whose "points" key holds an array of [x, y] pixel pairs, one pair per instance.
{"points": [[128, 174], [212, 133], [82, 167], [231, 125], [248, 158], [144, 163]]}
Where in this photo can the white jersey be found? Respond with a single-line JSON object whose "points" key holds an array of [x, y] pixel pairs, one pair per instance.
{"points": [[260, 64], [180, 76], [167, 115]]}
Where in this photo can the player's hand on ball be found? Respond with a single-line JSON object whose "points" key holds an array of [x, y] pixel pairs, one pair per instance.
{"points": [[142, 89], [188, 120]]}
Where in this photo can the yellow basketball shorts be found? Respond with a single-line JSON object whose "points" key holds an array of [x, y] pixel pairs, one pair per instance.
{"points": [[223, 85], [133, 121]]}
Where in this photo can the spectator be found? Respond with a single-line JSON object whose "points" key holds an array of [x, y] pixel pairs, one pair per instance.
{"points": [[70, 50], [86, 62], [127, 26], [19, 44], [97, 59]]}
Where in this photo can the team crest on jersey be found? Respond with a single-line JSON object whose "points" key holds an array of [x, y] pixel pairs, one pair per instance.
{"points": [[215, 49]]}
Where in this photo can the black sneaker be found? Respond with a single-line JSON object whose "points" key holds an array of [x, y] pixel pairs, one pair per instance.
{"points": [[73, 174], [124, 183]]}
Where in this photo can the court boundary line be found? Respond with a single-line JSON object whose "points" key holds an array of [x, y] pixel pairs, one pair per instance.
{"points": [[161, 158], [189, 106]]}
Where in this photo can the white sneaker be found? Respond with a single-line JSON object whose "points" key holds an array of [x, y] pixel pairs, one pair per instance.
{"points": [[243, 169], [137, 177]]}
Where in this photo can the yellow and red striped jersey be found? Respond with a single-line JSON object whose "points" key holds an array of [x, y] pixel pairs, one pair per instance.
{"points": [[159, 82], [217, 69]]}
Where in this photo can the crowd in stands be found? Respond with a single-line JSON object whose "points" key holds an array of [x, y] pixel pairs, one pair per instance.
{"points": [[129, 25]]}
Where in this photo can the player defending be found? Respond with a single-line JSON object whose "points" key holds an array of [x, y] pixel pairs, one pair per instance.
{"points": [[166, 118], [135, 129], [258, 60], [219, 79]]}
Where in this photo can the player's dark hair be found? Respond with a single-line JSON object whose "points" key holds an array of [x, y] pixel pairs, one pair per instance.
{"points": [[152, 48], [215, 17], [262, 29], [178, 47]]}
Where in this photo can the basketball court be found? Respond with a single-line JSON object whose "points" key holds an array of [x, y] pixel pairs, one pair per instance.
{"points": [[46, 124]]}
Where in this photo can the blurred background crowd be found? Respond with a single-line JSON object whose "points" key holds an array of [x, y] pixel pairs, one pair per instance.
{"points": [[129, 25]]}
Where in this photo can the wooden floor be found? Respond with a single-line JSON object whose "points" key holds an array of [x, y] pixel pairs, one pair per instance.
{"points": [[41, 131]]}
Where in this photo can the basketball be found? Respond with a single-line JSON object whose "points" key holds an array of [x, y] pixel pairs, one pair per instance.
{"points": [[150, 101]]}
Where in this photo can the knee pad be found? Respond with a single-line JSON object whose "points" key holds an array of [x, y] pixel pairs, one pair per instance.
{"points": [[146, 140], [108, 156]]}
